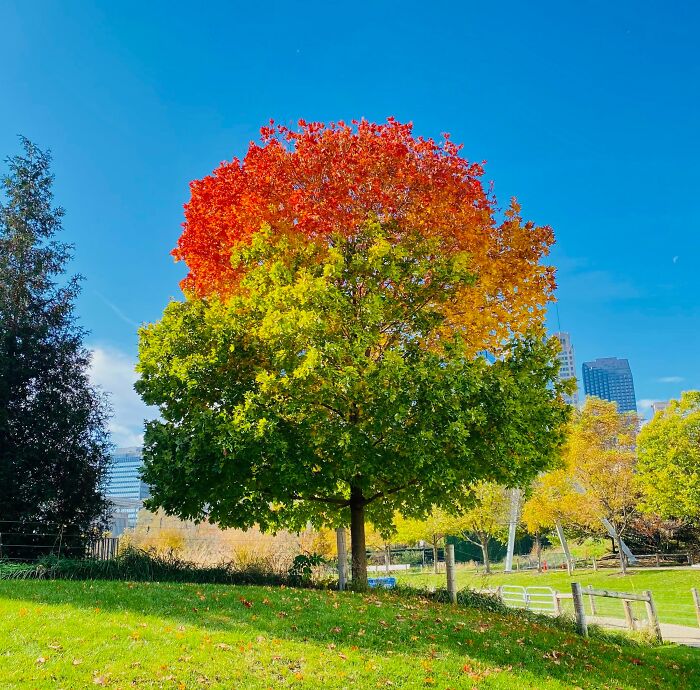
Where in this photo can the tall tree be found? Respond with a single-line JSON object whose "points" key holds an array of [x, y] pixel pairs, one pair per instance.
{"points": [[324, 390], [53, 439], [668, 471], [396, 276], [600, 455]]}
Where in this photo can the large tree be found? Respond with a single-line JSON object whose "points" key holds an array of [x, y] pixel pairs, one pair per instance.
{"points": [[668, 471], [325, 366], [323, 392], [53, 440]]}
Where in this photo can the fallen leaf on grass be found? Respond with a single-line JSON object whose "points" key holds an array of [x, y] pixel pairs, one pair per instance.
{"points": [[41, 660]]}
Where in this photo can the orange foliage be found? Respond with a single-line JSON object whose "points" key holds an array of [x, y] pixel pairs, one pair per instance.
{"points": [[327, 179]]}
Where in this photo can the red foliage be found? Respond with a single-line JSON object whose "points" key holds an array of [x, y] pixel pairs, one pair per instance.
{"points": [[325, 179]]}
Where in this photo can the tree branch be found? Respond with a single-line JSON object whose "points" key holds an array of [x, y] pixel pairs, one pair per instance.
{"points": [[332, 500], [382, 494]]}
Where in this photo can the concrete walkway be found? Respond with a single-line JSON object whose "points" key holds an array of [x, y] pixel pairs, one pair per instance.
{"points": [[678, 634]]}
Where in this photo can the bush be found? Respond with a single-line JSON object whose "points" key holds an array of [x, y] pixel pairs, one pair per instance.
{"points": [[140, 565]]}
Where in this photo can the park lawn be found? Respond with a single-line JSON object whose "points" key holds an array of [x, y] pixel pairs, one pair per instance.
{"points": [[670, 587], [67, 634]]}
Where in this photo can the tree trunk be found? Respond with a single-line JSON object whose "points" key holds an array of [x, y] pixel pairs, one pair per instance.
{"points": [[485, 553], [621, 554], [357, 539], [435, 557], [538, 551]]}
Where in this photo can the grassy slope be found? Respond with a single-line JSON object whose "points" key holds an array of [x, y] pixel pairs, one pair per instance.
{"points": [[117, 634], [671, 588]]}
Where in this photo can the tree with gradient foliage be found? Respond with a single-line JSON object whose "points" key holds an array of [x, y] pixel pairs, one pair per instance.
{"points": [[325, 365]]}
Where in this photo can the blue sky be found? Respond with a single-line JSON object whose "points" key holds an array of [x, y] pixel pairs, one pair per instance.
{"points": [[588, 112]]}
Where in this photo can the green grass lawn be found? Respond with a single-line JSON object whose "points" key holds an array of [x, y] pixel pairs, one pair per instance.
{"points": [[67, 634], [671, 588]]}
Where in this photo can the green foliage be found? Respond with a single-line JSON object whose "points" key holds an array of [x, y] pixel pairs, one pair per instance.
{"points": [[53, 439], [668, 468], [303, 566], [327, 384]]}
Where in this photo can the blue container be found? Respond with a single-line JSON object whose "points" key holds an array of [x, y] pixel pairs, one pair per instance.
{"points": [[385, 582]]}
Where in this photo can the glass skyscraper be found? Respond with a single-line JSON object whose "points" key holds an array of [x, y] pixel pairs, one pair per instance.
{"points": [[567, 365], [124, 488], [610, 378]]}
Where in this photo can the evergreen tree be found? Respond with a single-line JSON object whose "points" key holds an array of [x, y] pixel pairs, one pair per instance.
{"points": [[54, 446]]}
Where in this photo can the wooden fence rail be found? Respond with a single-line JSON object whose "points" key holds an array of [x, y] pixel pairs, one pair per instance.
{"points": [[578, 592]]}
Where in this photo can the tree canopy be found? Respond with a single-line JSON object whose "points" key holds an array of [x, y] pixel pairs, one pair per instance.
{"points": [[324, 386], [328, 363], [668, 470], [330, 180]]}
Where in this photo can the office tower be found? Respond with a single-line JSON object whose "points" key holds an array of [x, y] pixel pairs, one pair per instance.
{"points": [[124, 488], [610, 378], [567, 368]]}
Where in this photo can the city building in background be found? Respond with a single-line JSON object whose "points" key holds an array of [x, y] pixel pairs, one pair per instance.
{"points": [[610, 378], [658, 406], [125, 489], [567, 368]]}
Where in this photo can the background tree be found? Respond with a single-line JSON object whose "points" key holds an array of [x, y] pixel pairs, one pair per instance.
{"points": [[325, 368], [554, 504], [485, 520], [668, 470], [432, 530], [53, 441], [600, 455]]}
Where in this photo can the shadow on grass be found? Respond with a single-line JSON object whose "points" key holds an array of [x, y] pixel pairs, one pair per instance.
{"points": [[381, 624]]}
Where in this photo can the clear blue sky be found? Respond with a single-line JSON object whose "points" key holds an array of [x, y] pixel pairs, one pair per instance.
{"points": [[588, 112]]}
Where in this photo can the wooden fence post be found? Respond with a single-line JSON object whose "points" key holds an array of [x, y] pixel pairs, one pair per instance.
{"points": [[557, 604], [652, 615], [579, 611], [595, 565], [450, 569], [342, 558], [591, 600], [696, 601], [627, 607]]}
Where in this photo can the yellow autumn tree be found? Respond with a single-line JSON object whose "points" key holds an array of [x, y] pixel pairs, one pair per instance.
{"points": [[485, 520], [553, 504], [596, 481], [432, 530]]}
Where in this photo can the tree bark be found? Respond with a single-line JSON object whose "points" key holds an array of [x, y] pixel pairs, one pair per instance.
{"points": [[357, 539], [538, 551], [485, 553]]}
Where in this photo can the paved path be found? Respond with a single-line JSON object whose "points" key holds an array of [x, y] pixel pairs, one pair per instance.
{"points": [[680, 634]]}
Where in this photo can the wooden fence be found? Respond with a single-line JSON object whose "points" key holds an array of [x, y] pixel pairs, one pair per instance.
{"points": [[578, 592]]}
